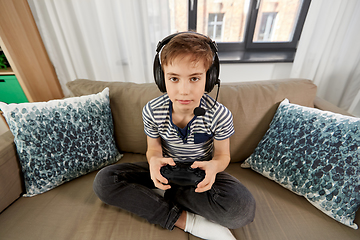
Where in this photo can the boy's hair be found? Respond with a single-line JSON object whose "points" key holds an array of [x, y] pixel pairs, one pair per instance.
{"points": [[188, 43]]}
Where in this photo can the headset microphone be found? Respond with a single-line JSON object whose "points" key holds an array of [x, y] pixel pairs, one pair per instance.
{"points": [[199, 111]]}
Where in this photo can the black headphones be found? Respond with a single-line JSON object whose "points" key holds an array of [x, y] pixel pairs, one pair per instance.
{"points": [[212, 75]]}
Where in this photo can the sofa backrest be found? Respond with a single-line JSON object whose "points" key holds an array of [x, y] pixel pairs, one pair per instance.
{"points": [[11, 182], [253, 105]]}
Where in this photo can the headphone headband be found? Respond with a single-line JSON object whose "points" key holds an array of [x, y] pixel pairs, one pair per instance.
{"points": [[167, 39], [212, 75]]}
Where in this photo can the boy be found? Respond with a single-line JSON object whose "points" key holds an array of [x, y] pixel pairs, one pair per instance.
{"points": [[175, 133]]}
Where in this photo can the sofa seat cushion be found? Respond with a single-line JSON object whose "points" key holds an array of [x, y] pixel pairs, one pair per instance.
{"points": [[73, 211], [281, 214], [253, 105]]}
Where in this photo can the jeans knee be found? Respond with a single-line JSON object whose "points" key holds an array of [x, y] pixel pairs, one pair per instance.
{"points": [[101, 184], [113, 179], [237, 209], [243, 213]]}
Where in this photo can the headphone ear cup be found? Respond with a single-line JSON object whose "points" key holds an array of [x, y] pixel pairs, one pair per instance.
{"points": [[159, 74], [212, 75]]}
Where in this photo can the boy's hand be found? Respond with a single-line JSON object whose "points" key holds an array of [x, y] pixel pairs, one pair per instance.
{"points": [[211, 169], [155, 164]]}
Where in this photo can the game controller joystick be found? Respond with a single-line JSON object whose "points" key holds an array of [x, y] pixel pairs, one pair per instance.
{"points": [[182, 174]]}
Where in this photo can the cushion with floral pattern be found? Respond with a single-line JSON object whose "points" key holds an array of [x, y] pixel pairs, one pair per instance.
{"points": [[315, 154], [60, 140]]}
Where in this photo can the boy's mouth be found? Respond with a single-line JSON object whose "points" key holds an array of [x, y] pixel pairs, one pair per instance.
{"points": [[185, 102]]}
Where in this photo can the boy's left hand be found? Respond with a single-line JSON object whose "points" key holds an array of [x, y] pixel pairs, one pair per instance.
{"points": [[210, 168]]}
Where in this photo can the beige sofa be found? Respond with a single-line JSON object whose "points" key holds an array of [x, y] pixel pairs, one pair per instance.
{"points": [[72, 210]]}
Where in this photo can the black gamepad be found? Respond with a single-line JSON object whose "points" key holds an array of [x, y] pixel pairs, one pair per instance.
{"points": [[182, 174]]}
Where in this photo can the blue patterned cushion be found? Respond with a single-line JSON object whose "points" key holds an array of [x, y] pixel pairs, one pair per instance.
{"points": [[315, 154], [60, 140]]}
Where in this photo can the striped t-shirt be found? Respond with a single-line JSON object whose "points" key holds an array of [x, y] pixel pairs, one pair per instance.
{"points": [[195, 141]]}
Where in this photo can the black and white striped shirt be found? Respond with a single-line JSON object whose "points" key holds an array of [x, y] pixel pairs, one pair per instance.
{"points": [[195, 141]]}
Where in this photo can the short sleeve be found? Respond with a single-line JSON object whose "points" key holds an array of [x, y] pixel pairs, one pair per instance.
{"points": [[224, 126], [150, 126]]}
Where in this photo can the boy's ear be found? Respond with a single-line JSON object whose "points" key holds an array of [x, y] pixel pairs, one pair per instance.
{"points": [[159, 74]]}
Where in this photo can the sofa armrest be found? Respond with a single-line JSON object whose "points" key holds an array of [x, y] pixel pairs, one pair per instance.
{"points": [[11, 186], [327, 106]]}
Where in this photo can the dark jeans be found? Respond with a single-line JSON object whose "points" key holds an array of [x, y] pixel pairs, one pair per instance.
{"points": [[128, 186]]}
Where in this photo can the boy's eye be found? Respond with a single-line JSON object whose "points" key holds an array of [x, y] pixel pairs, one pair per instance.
{"points": [[174, 79], [194, 79]]}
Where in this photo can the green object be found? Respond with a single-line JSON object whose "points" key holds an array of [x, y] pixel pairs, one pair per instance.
{"points": [[3, 61], [10, 90]]}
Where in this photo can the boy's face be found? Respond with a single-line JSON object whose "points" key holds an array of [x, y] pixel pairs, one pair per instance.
{"points": [[185, 83]]}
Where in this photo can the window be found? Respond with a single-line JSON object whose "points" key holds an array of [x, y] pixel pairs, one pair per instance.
{"points": [[215, 26], [244, 27], [266, 26]]}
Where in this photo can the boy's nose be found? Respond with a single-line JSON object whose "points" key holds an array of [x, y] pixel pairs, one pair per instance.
{"points": [[184, 88]]}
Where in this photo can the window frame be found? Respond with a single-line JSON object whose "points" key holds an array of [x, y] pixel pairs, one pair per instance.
{"points": [[242, 51], [276, 45]]}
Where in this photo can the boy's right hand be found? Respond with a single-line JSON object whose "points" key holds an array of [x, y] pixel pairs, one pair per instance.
{"points": [[155, 164]]}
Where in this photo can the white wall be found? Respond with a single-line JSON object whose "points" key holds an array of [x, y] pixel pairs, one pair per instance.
{"points": [[254, 71]]}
